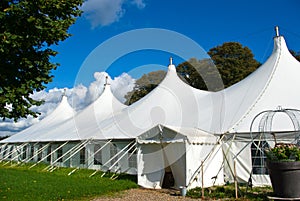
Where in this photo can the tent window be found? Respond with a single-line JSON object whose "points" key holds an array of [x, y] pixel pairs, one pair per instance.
{"points": [[31, 152], [49, 154], [132, 158], [113, 152], [5, 150], [10, 152], [24, 152], [258, 157], [82, 156], [40, 155], [59, 155], [98, 155]]}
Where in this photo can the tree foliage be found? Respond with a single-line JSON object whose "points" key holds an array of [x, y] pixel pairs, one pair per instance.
{"points": [[229, 63], [201, 74], [144, 85], [233, 61], [295, 54], [28, 29]]}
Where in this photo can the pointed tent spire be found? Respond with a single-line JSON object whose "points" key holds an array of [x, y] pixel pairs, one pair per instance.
{"points": [[277, 31], [106, 81], [171, 65]]}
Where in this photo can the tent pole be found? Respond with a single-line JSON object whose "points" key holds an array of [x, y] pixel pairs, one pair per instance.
{"points": [[206, 158], [111, 159], [88, 165], [4, 153], [49, 155], [133, 145], [38, 152], [22, 145], [50, 167], [2, 150], [79, 148], [95, 152], [9, 154]]}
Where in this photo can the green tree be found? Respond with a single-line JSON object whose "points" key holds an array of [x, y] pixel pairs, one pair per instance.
{"points": [[144, 85], [27, 30], [295, 54], [233, 61], [229, 63], [201, 74]]}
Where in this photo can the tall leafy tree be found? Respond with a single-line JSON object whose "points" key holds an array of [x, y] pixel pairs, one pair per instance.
{"points": [[201, 74], [28, 29], [295, 54], [229, 63], [233, 61], [144, 85]]}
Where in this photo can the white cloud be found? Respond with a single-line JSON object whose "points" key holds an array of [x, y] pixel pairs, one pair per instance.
{"points": [[106, 12], [139, 3], [79, 97]]}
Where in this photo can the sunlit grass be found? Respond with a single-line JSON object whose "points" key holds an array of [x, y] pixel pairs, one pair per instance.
{"points": [[22, 183]]}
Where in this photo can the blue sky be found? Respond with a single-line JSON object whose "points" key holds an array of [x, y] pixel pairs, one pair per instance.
{"points": [[139, 36], [208, 23]]}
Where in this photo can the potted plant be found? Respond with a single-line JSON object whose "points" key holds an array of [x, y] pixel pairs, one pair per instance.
{"points": [[283, 162]]}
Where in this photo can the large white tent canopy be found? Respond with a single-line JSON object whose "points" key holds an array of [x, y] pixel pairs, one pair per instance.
{"points": [[190, 122]]}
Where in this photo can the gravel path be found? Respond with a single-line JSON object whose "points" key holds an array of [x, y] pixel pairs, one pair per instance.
{"points": [[146, 195]]}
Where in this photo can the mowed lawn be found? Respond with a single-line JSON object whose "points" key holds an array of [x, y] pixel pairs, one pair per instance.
{"points": [[22, 183]]}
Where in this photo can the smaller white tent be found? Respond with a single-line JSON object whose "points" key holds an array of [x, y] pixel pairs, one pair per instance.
{"points": [[171, 156], [58, 116]]}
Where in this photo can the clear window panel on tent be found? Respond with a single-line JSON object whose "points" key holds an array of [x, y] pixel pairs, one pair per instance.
{"points": [[31, 151], [48, 154], [258, 157], [24, 152], [98, 155], [82, 156], [113, 152], [40, 154], [10, 152], [59, 155], [132, 163]]}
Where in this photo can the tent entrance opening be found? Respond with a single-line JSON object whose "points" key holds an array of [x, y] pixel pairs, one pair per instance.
{"points": [[168, 181]]}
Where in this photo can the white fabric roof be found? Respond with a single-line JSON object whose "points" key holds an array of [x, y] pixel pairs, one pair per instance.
{"points": [[177, 104], [172, 134], [82, 126], [172, 103], [58, 116], [275, 83]]}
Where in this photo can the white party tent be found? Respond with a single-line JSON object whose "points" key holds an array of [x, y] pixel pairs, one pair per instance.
{"points": [[273, 86], [58, 116], [171, 156], [175, 128]]}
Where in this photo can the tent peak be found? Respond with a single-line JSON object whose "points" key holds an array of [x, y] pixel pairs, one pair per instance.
{"points": [[106, 81], [277, 31], [171, 65]]}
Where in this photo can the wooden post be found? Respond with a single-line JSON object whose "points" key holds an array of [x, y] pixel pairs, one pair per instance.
{"points": [[202, 179], [235, 181]]}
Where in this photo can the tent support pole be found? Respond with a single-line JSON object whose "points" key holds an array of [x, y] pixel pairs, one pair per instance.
{"points": [[38, 152], [95, 152], [49, 155], [9, 154], [51, 168], [79, 148], [93, 155], [206, 158], [111, 159], [16, 148], [133, 145]]}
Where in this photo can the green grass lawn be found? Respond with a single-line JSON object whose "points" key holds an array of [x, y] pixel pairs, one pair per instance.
{"points": [[20, 183]]}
